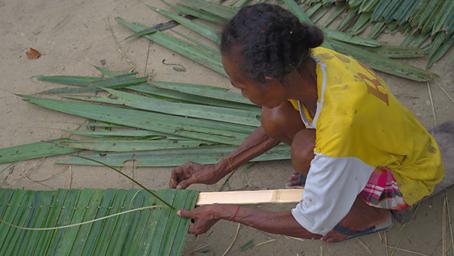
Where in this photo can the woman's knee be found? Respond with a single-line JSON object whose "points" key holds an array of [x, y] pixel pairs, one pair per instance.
{"points": [[303, 150]]}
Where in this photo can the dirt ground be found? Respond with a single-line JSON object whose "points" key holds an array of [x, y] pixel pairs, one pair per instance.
{"points": [[74, 35]]}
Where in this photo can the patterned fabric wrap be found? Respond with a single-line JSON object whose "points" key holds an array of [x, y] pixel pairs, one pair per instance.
{"points": [[382, 191]]}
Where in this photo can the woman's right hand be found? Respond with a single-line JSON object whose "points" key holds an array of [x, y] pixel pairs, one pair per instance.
{"points": [[192, 173]]}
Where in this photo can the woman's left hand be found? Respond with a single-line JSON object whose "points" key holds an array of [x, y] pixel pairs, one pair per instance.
{"points": [[203, 217]]}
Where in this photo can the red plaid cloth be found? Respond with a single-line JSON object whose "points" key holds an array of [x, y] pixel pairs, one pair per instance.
{"points": [[382, 191]]}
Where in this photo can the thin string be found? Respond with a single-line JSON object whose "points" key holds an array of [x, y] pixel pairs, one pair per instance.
{"points": [[131, 179], [82, 223]]}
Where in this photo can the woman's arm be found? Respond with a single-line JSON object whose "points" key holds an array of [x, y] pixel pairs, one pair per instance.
{"points": [[281, 222], [257, 143], [254, 145]]}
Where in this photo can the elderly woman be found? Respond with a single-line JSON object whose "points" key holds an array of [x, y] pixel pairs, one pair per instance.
{"points": [[359, 153]]}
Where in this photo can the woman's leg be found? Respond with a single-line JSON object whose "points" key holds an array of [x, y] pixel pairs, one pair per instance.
{"points": [[303, 150], [302, 153], [285, 124], [360, 217]]}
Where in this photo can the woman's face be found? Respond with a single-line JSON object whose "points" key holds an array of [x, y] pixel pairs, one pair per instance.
{"points": [[269, 94]]}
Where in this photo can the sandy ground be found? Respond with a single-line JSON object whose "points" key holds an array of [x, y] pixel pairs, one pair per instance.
{"points": [[74, 35]]}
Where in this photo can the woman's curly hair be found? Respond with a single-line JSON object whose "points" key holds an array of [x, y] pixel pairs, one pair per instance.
{"points": [[272, 41]]}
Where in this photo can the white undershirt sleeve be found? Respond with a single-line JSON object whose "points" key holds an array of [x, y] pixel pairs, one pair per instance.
{"points": [[332, 186]]}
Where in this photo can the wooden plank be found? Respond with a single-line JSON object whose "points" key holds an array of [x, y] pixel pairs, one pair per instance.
{"points": [[251, 197]]}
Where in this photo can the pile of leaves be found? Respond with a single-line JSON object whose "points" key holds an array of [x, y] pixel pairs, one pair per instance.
{"points": [[428, 25], [154, 123], [377, 55]]}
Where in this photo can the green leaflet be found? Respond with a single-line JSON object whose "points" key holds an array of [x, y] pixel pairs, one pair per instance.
{"points": [[109, 145], [377, 12], [106, 206], [330, 34], [344, 37], [243, 122], [313, 9], [403, 13], [84, 81], [200, 14], [398, 52], [354, 3], [201, 29], [191, 98], [210, 51], [34, 150], [321, 14], [69, 80], [297, 11], [338, 10], [125, 234], [430, 10], [367, 6], [348, 20], [377, 30], [175, 157], [84, 231], [361, 24], [158, 27], [93, 125], [221, 11], [119, 133], [172, 125], [236, 116], [105, 71], [443, 19], [204, 91], [116, 82], [419, 40], [241, 3], [383, 64], [436, 49], [172, 43]]}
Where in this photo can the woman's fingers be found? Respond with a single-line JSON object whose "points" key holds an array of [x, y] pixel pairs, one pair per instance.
{"points": [[173, 180], [186, 182], [186, 214], [179, 174], [191, 229]]}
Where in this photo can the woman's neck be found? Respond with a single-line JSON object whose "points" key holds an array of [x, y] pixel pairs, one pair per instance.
{"points": [[302, 85]]}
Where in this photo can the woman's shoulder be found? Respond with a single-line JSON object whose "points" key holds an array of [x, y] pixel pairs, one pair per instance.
{"points": [[327, 55]]}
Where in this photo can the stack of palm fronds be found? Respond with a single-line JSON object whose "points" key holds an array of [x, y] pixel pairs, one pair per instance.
{"points": [[368, 50], [156, 124], [92, 222], [429, 25]]}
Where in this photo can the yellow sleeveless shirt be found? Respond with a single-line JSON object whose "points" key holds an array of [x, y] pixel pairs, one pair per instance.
{"points": [[358, 116]]}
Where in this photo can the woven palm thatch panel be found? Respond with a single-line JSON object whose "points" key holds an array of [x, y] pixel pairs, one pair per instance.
{"points": [[152, 231]]}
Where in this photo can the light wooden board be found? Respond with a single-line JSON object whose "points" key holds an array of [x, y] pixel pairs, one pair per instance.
{"points": [[251, 197]]}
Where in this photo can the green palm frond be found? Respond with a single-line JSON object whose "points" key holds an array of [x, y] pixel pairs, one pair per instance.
{"points": [[93, 222]]}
